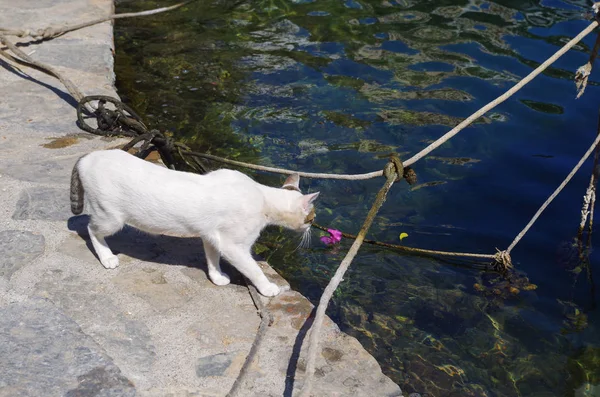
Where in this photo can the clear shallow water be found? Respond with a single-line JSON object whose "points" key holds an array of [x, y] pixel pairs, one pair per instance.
{"points": [[335, 86]]}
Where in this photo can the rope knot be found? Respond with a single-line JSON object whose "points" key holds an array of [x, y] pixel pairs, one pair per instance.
{"points": [[502, 261], [396, 166], [48, 32], [390, 172], [161, 141], [44, 33]]}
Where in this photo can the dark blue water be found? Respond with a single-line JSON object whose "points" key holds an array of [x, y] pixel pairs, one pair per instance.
{"points": [[335, 86]]}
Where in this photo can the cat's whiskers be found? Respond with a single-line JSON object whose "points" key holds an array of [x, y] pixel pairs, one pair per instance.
{"points": [[305, 240]]}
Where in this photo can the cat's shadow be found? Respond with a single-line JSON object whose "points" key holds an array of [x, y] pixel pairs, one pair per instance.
{"points": [[154, 248]]}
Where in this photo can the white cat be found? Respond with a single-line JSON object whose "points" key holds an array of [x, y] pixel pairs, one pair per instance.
{"points": [[225, 208]]}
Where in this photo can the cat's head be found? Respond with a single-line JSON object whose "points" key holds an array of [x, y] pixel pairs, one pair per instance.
{"points": [[302, 211]]}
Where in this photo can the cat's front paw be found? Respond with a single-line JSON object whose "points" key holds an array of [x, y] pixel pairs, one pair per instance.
{"points": [[219, 278], [110, 262], [271, 289]]}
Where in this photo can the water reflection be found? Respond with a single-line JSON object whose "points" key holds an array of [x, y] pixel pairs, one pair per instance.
{"points": [[335, 86]]}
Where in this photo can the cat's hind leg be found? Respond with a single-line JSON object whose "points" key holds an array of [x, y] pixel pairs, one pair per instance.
{"points": [[243, 261], [215, 273], [98, 228]]}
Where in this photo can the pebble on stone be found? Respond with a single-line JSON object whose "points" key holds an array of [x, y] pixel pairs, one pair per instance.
{"points": [[214, 365], [17, 249]]}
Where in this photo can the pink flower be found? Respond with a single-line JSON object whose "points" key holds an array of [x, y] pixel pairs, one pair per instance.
{"points": [[335, 236]]}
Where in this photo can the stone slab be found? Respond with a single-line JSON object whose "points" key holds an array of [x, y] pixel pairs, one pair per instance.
{"points": [[102, 318], [150, 285], [76, 55], [17, 249], [43, 203], [51, 171], [44, 353]]}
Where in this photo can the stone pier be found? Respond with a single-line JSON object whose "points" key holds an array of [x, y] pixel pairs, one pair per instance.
{"points": [[155, 326]]}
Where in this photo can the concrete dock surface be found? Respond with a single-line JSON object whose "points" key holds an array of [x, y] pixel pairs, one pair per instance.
{"points": [[155, 326]]}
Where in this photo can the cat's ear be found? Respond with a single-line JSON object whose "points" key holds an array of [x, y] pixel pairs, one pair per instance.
{"points": [[292, 181], [308, 199]]}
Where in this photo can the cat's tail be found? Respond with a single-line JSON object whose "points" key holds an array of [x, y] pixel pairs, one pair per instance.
{"points": [[76, 191]]}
